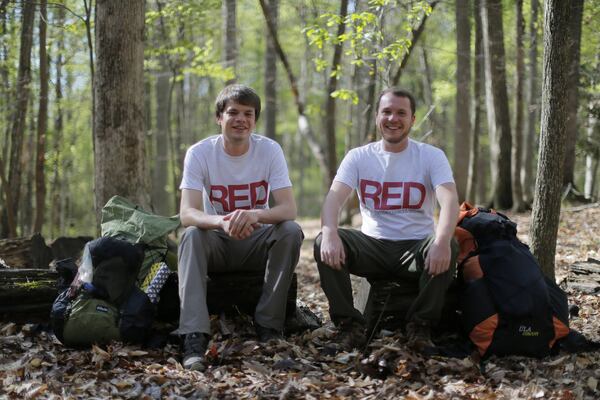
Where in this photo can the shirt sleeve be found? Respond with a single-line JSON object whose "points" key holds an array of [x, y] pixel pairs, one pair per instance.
{"points": [[193, 174], [440, 170], [347, 173], [278, 174]]}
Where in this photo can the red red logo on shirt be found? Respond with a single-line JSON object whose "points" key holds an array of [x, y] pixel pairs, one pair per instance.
{"points": [[245, 197], [392, 195]]}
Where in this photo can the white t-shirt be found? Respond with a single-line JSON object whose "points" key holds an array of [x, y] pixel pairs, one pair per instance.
{"points": [[396, 190], [229, 183]]}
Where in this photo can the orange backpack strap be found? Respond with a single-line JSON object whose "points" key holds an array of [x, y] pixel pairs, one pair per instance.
{"points": [[466, 242], [466, 210]]}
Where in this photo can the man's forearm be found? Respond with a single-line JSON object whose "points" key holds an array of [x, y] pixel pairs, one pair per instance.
{"points": [[194, 217], [277, 214]]}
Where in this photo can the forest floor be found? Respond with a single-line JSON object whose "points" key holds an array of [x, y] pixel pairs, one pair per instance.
{"points": [[33, 364]]}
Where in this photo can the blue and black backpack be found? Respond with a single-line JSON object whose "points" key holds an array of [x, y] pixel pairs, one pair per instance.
{"points": [[507, 305]]}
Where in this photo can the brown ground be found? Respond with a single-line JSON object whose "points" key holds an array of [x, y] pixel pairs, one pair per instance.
{"points": [[33, 364]]}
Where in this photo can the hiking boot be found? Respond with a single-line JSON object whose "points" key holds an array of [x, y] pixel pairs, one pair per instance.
{"points": [[194, 347], [419, 335], [351, 335], [267, 334]]}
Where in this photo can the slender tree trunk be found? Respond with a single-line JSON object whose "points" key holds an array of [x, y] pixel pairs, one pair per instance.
{"points": [[88, 6], [574, 45], [28, 171], [476, 174], [593, 156], [463, 98], [593, 137], [517, 151], [42, 124], [160, 197], [533, 108], [55, 192], [498, 115], [229, 38], [120, 161], [330, 109], [304, 127], [416, 34], [546, 203], [19, 117], [369, 134], [270, 76], [428, 92]]}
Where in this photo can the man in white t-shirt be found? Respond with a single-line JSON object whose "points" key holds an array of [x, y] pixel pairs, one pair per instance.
{"points": [[227, 179], [398, 181]]}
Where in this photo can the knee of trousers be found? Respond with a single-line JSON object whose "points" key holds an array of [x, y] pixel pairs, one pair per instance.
{"points": [[193, 237], [290, 230], [317, 248]]}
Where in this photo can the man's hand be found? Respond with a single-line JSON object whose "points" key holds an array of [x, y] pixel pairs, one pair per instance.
{"points": [[332, 249], [438, 257], [240, 224]]}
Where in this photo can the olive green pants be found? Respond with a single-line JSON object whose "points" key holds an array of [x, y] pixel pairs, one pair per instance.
{"points": [[380, 259]]}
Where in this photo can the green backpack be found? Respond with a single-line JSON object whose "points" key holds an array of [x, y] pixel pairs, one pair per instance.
{"points": [[91, 320]]}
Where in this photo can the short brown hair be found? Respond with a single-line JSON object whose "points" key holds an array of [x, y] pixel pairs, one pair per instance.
{"points": [[241, 94], [398, 93]]}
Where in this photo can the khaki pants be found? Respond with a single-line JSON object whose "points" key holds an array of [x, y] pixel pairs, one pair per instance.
{"points": [[378, 259], [274, 249]]}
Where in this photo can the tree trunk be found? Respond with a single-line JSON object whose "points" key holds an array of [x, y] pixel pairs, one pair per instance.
{"points": [[593, 140], [330, 111], [369, 133], [463, 98], [270, 76], [477, 176], [546, 203], [229, 38], [533, 108], [498, 115], [517, 151], [42, 124], [415, 34], [119, 156], [27, 168], [573, 31], [428, 92], [160, 197], [304, 127], [19, 117], [57, 135]]}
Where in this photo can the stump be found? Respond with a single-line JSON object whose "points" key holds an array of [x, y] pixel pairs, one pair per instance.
{"points": [[385, 303], [25, 252], [231, 292], [68, 247]]}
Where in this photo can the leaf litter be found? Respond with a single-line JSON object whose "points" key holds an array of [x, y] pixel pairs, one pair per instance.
{"points": [[33, 364]]}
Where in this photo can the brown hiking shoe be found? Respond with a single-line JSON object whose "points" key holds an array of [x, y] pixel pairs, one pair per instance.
{"points": [[419, 335], [351, 335]]}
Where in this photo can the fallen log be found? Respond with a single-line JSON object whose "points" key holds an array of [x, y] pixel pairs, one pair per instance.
{"points": [[27, 294], [585, 276], [25, 252]]}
